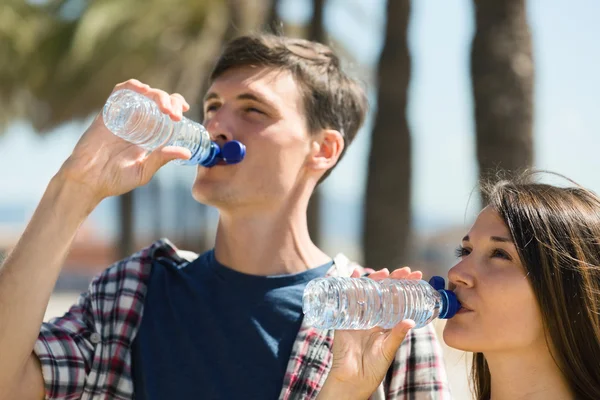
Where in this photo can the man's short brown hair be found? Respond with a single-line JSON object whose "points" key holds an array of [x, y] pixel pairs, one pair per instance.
{"points": [[332, 100]]}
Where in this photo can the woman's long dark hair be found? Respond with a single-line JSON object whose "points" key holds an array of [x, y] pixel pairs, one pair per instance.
{"points": [[557, 234]]}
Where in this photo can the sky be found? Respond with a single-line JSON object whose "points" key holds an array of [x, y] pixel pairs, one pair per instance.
{"points": [[567, 121], [566, 125]]}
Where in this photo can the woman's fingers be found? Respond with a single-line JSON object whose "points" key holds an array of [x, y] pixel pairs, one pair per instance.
{"points": [[379, 275], [415, 275], [394, 338]]}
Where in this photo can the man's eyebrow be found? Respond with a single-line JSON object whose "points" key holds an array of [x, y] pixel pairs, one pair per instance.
{"points": [[211, 96], [243, 96], [253, 97]]}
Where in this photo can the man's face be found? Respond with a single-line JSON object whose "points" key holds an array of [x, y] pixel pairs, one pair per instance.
{"points": [[263, 109]]}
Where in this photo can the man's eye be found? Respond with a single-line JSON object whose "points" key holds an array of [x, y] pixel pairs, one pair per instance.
{"points": [[254, 110]]}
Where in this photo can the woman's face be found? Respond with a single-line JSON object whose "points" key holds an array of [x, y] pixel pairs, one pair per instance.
{"points": [[500, 312]]}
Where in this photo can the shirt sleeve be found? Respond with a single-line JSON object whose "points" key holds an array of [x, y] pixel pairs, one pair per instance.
{"points": [[418, 371], [65, 348]]}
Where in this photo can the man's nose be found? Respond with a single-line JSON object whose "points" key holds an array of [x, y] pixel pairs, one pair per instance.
{"points": [[218, 129]]}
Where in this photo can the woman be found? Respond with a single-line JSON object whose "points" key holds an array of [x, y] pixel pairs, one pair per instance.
{"points": [[529, 282]]}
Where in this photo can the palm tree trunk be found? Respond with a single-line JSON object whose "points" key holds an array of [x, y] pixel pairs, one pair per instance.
{"points": [[272, 23], [387, 223], [155, 191], [316, 32], [126, 243], [316, 29], [502, 73]]}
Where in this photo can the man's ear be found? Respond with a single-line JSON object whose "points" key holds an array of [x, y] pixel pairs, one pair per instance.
{"points": [[327, 147]]}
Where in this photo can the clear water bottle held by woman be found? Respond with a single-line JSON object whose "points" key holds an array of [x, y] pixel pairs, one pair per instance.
{"points": [[363, 303], [137, 119]]}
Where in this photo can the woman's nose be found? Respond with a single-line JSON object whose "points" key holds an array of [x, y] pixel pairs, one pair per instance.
{"points": [[460, 274]]}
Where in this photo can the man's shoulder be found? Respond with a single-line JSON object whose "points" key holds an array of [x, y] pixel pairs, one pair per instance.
{"points": [[130, 272]]}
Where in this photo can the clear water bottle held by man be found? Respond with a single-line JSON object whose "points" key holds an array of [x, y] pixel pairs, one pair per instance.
{"points": [[363, 303], [137, 119]]}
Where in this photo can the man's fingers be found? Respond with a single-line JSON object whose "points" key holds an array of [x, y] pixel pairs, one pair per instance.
{"points": [[173, 105], [163, 100], [132, 84], [181, 100]]}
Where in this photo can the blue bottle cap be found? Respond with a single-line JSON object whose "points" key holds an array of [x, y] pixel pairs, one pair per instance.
{"points": [[233, 152], [450, 303], [437, 282], [214, 156]]}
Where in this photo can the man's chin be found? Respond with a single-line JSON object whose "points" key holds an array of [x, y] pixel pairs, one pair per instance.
{"points": [[203, 197], [209, 193]]}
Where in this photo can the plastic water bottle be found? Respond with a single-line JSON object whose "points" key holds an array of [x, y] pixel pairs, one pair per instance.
{"points": [[362, 303], [137, 119]]}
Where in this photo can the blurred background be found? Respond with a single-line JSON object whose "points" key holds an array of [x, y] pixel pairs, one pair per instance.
{"points": [[458, 90]]}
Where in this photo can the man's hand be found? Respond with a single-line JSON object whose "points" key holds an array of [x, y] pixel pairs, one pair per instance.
{"points": [[101, 165], [361, 358], [106, 165]]}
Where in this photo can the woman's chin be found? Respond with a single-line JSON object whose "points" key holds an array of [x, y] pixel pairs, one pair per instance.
{"points": [[458, 337]]}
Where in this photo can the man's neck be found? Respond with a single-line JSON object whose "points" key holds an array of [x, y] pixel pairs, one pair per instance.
{"points": [[272, 242], [527, 375]]}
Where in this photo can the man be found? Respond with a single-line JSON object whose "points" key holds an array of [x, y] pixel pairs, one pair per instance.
{"points": [[168, 324]]}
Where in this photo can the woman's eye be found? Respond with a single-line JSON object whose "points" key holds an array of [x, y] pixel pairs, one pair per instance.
{"points": [[501, 254], [211, 107], [462, 252]]}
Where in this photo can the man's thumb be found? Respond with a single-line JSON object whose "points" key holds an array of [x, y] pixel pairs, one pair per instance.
{"points": [[160, 157]]}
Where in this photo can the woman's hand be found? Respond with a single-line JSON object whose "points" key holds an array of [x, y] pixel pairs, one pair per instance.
{"points": [[361, 358]]}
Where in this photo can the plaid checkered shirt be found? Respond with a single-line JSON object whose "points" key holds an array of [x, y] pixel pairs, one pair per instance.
{"points": [[86, 354]]}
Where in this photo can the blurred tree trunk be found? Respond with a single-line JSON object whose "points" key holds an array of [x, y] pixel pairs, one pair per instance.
{"points": [[155, 189], [316, 29], [126, 240], [388, 209], [272, 22], [502, 73], [316, 32]]}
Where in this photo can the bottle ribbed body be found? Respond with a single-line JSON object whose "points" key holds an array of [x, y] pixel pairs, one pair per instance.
{"points": [[137, 119], [362, 303]]}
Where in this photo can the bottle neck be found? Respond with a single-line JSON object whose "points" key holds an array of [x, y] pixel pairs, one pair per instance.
{"points": [[449, 304]]}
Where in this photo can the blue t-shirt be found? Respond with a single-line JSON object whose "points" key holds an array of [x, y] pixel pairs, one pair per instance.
{"points": [[209, 332]]}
